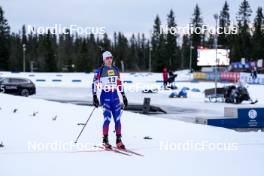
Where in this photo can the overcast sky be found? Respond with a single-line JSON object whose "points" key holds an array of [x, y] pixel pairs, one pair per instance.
{"points": [[126, 16]]}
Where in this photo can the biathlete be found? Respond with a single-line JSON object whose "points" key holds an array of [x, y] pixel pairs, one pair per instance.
{"points": [[108, 78]]}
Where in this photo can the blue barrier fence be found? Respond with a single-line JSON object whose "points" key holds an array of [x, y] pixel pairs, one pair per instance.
{"points": [[56, 80], [40, 80], [76, 80], [247, 118], [127, 81]]}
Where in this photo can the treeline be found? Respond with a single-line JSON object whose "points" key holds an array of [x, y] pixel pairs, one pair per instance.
{"points": [[71, 52]]}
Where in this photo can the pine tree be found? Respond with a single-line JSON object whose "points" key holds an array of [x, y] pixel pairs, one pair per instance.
{"points": [[49, 55], [32, 45], [185, 51], [155, 35], [244, 48], [258, 35], [4, 42], [15, 53], [122, 51], [158, 42], [244, 14], [67, 57], [142, 52], [171, 44], [133, 56], [93, 53], [114, 43], [155, 43], [82, 64], [224, 24], [162, 59], [106, 43], [196, 37]]}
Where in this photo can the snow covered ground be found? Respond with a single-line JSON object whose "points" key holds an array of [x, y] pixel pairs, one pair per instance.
{"points": [[171, 151], [195, 106], [34, 131], [80, 80]]}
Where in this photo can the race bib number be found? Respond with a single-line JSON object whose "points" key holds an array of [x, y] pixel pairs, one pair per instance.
{"points": [[110, 80]]}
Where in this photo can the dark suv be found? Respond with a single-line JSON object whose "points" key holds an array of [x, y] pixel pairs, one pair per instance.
{"points": [[17, 86]]}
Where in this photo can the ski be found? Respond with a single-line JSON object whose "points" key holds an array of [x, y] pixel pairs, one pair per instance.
{"points": [[85, 151], [114, 150], [254, 102], [129, 151]]}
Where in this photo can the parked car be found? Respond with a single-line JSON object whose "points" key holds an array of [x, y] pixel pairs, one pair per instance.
{"points": [[17, 86]]}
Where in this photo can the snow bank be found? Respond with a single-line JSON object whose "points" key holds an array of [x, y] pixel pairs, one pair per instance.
{"points": [[85, 79], [25, 120]]}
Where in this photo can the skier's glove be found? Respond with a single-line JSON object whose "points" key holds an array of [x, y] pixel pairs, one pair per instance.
{"points": [[95, 101], [124, 100]]}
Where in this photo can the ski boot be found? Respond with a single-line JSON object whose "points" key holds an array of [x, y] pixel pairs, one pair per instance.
{"points": [[119, 143], [106, 143]]}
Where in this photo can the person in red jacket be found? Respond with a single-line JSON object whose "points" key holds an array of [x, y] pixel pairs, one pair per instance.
{"points": [[165, 77]]}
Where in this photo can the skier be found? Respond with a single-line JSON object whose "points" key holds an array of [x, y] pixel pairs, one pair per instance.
{"points": [[108, 78]]}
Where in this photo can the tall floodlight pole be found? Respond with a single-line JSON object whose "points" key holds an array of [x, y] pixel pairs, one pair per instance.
{"points": [[150, 50], [190, 33], [216, 43], [150, 58], [24, 57]]}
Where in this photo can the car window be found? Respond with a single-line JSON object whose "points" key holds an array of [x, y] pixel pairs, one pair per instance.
{"points": [[13, 81], [6, 81], [24, 81], [17, 81]]}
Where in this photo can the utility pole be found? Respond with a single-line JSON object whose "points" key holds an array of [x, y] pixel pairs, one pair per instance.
{"points": [[31, 66], [150, 50], [191, 47], [24, 57], [216, 43]]}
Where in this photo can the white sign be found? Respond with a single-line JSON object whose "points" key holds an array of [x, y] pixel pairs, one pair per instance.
{"points": [[207, 57], [243, 61], [260, 63]]}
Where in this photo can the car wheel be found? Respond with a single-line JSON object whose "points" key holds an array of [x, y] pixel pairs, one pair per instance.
{"points": [[24, 93]]}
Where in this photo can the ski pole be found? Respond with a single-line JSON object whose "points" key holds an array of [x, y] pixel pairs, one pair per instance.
{"points": [[122, 110], [84, 125]]}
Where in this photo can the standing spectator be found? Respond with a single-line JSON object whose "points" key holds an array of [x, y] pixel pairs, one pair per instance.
{"points": [[254, 72], [165, 77]]}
